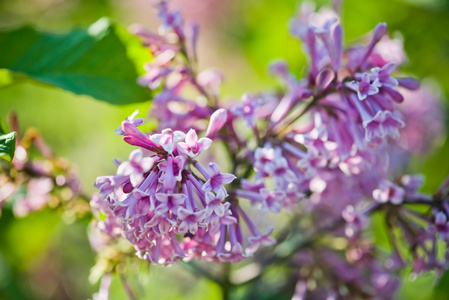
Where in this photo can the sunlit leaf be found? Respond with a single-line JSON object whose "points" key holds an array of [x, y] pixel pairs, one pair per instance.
{"points": [[7, 146], [99, 61]]}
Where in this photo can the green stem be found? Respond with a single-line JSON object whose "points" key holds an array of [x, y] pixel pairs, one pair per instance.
{"points": [[226, 283], [127, 288]]}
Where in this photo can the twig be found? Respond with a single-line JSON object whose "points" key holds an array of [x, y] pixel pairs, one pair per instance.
{"points": [[127, 288]]}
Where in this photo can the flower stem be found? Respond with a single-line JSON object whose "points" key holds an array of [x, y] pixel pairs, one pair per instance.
{"points": [[127, 288], [226, 283]]}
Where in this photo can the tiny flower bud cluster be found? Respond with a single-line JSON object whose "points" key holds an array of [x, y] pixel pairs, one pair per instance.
{"points": [[33, 182]]}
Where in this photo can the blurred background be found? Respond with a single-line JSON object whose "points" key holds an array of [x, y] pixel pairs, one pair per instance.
{"points": [[45, 257]]}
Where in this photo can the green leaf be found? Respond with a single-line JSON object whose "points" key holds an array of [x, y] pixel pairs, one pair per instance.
{"points": [[100, 61], [7, 146], [2, 127]]}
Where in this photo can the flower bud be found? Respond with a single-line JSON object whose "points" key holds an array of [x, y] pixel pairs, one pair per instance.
{"points": [[217, 121], [409, 83]]}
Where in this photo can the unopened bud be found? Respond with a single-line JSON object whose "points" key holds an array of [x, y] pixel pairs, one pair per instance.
{"points": [[217, 121]]}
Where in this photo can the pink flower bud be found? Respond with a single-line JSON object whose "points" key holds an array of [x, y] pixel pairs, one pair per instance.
{"points": [[217, 121]]}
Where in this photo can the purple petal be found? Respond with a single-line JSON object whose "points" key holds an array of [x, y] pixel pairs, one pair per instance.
{"points": [[372, 90], [353, 85], [136, 155], [183, 213], [207, 187], [388, 68], [183, 228], [213, 170], [361, 96], [227, 178], [191, 138], [204, 144], [391, 82]]}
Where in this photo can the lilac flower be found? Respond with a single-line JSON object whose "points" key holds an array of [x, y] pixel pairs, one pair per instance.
{"points": [[177, 165], [193, 147], [214, 203], [317, 140], [145, 202], [215, 221], [108, 184], [136, 166], [412, 183], [272, 200], [109, 226], [171, 20], [134, 136], [189, 220], [280, 172], [364, 88], [264, 239], [168, 202], [131, 120], [155, 74], [379, 31], [253, 186], [382, 75], [383, 124], [246, 110], [217, 179], [389, 192], [264, 156], [167, 139], [160, 224], [235, 253]]}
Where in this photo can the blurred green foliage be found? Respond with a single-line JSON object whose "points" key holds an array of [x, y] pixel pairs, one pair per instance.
{"points": [[43, 251]]}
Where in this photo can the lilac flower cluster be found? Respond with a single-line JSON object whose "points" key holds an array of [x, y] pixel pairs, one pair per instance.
{"points": [[171, 206], [326, 147], [32, 182]]}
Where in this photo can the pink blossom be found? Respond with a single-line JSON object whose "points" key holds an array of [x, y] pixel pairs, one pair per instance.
{"points": [[189, 220], [364, 88], [167, 139], [383, 75], [217, 179], [272, 200], [136, 166], [389, 192], [192, 146], [168, 202]]}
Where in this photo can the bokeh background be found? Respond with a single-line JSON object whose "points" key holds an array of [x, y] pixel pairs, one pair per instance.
{"points": [[44, 256]]}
